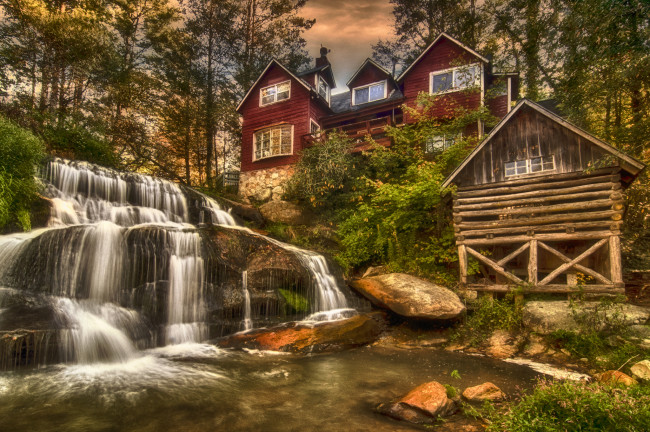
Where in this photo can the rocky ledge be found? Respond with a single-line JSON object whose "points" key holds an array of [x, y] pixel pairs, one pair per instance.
{"points": [[305, 337]]}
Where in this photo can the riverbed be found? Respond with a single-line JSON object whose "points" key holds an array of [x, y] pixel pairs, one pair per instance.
{"points": [[197, 387]]}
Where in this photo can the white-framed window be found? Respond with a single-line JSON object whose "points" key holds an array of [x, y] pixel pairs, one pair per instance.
{"points": [[438, 143], [275, 93], [530, 166], [323, 88], [273, 141], [314, 127], [455, 79], [369, 93]]}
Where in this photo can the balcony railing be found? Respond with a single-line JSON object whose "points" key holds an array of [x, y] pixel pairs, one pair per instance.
{"points": [[358, 132]]}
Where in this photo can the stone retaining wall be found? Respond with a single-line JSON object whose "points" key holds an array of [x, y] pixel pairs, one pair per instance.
{"points": [[265, 184]]}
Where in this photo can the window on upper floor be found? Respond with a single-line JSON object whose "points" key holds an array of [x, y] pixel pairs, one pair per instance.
{"points": [[438, 143], [369, 93], [454, 79], [275, 93], [323, 88], [273, 141], [530, 166]]}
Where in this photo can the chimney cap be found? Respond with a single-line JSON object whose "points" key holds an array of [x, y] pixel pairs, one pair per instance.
{"points": [[323, 51]]}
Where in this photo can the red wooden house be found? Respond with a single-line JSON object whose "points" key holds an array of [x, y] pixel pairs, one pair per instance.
{"points": [[284, 112]]}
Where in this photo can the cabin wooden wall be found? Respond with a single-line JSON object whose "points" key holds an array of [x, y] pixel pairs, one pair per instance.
{"points": [[295, 111], [529, 134], [443, 55]]}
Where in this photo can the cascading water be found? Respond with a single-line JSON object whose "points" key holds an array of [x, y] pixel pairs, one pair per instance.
{"points": [[122, 268]]}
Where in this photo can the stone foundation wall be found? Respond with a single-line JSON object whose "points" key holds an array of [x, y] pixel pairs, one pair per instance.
{"points": [[265, 184]]}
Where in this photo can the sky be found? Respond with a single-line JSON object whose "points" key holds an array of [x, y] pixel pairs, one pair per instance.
{"points": [[348, 28]]}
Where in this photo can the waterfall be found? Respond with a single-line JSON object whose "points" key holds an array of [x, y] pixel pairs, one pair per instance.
{"points": [[247, 323], [122, 267]]}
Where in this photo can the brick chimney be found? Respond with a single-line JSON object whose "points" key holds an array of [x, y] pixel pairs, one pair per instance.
{"points": [[322, 60]]}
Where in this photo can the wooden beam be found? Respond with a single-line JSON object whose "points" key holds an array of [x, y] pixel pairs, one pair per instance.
{"points": [[609, 186], [559, 289], [593, 235], [577, 266], [583, 205], [603, 172], [540, 184], [571, 263], [510, 256], [616, 270], [536, 200], [532, 262], [494, 266], [540, 228], [462, 263], [538, 220]]}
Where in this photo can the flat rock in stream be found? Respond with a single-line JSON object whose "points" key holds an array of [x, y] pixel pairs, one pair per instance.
{"points": [[302, 337], [410, 296], [422, 405]]}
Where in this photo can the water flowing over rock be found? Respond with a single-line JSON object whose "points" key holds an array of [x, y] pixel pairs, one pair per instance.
{"points": [[410, 296], [123, 267]]}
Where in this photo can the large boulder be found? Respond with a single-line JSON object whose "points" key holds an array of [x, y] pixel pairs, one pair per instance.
{"points": [[545, 317], [301, 337], [641, 370], [285, 212], [483, 392], [423, 404], [410, 296]]}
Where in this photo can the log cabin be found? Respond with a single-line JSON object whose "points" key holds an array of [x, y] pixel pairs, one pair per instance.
{"points": [[539, 206], [286, 111]]}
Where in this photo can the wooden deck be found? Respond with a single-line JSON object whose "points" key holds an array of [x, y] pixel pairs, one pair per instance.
{"points": [[358, 132]]}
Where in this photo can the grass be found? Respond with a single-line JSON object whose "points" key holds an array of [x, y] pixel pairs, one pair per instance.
{"points": [[486, 316], [576, 406]]}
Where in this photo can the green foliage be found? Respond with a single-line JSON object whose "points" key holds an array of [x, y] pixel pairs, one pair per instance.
{"points": [[487, 315], [575, 406], [326, 174], [452, 391], [296, 302], [455, 374], [20, 152], [74, 141]]}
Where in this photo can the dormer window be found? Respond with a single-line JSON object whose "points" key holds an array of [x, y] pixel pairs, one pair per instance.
{"points": [[530, 166], [455, 79], [275, 93], [369, 93], [323, 88]]}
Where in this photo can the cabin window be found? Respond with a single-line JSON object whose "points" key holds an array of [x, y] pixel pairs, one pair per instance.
{"points": [[323, 88], [530, 166], [369, 93], [275, 93], [313, 126], [455, 79], [275, 141], [438, 143]]}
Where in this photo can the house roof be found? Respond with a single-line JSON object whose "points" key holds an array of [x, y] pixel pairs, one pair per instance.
{"points": [[272, 62], [342, 102], [325, 69], [628, 163], [426, 50], [371, 62]]}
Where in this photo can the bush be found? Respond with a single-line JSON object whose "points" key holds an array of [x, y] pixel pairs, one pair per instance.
{"points": [[488, 315], [20, 152], [571, 406], [73, 141]]}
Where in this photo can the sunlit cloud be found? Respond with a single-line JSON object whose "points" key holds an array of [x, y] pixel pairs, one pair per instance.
{"points": [[348, 29]]}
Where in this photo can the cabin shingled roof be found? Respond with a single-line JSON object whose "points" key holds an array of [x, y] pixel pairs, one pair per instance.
{"points": [[342, 102]]}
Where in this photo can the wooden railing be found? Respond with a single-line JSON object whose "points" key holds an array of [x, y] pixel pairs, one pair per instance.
{"points": [[358, 132]]}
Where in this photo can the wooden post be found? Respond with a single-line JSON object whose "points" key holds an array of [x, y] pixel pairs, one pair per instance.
{"points": [[616, 271], [462, 263], [532, 263]]}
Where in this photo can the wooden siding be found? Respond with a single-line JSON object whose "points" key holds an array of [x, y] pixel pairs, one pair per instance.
{"points": [[371, 74], [529, 134], [443, 55], [539, 232], [295, 111]]}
